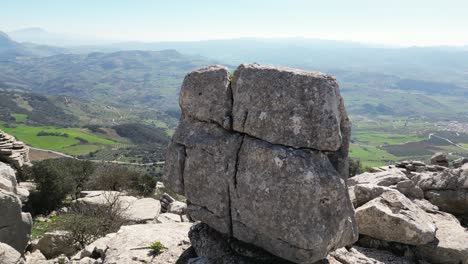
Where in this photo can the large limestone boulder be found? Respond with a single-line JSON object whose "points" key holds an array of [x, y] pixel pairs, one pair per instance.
{"points": [[277, 178], [393, 217], [9, 255], [15, 225]]}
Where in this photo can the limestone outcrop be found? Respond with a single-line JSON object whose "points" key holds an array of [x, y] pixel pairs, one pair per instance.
{"points": [[12, 151], [15, 226], [393, 215], [261, 155]]}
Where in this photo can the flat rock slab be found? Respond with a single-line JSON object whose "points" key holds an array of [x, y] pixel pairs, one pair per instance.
{"points": [[131, 243], [360, 255], [451, 244]]}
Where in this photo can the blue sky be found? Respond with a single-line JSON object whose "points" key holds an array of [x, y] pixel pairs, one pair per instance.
{"points": [[395, 22]]}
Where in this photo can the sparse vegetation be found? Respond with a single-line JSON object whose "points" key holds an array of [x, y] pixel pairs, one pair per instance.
{"points": [[156, 248]]}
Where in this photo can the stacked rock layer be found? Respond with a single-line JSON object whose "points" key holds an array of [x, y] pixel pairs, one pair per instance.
{"points": [[12, 151], [261, 156]]}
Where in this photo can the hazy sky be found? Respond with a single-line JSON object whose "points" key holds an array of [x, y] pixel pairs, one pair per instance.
{"points": [[400, 22]]}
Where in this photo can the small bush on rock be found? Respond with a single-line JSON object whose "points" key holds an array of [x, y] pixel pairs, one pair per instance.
{"points": [[156, 248]]}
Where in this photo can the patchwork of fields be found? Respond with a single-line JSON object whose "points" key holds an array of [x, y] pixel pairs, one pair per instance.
{"points": [[377, 143], [72, 141]]}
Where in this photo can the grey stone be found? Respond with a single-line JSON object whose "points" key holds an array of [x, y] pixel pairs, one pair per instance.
{"points": [[206, 95], [385, 178], [360, 255], [440, 159], [277, 178], [460, 162], [142, 210], [131, 244], [56, 243], [451, 244], [393, 217], [288, 106], [177, 207], [214, 247], [9, 255], [16, 226], [309, 184], [209, 166]]}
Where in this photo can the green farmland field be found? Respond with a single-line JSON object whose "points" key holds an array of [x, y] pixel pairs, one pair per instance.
{"points": [[76, 143]]}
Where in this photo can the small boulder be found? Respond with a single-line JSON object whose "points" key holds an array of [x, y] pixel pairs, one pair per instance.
{"points": [[440, 159], [177, 208], [393, 217], [142, 210], [56, 243], [460, 162]]}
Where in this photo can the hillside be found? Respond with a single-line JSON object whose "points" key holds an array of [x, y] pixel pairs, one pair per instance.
{"points": [[137, 78]]}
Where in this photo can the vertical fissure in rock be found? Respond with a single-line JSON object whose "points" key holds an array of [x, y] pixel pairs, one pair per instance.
{"points": [[231, 232], [236, 164], [182, 169]]}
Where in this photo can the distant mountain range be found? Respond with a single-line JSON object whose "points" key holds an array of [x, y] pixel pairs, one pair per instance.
{"points": [[415, 81]]}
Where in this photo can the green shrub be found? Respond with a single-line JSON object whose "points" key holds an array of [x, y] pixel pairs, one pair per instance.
{"points": [[112, 177], [156, 248], [56, 179], [355, 167]]}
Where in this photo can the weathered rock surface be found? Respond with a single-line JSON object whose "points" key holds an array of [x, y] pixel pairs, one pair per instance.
{"points": [[440, 159], [177, 207], [287, 106], [251, 181], [360, 255], [15, 226], [404, 225], [133, 209], [56, 243], [12, 151], [263, 174], [7, 178], [213, 247], [447, 189], [393, 217], [9, 255], [131, 243], [205, 95], [35, 257], [451, 244]]}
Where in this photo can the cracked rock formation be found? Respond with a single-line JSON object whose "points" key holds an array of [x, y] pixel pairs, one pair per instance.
{"points": [[261, 156]]}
